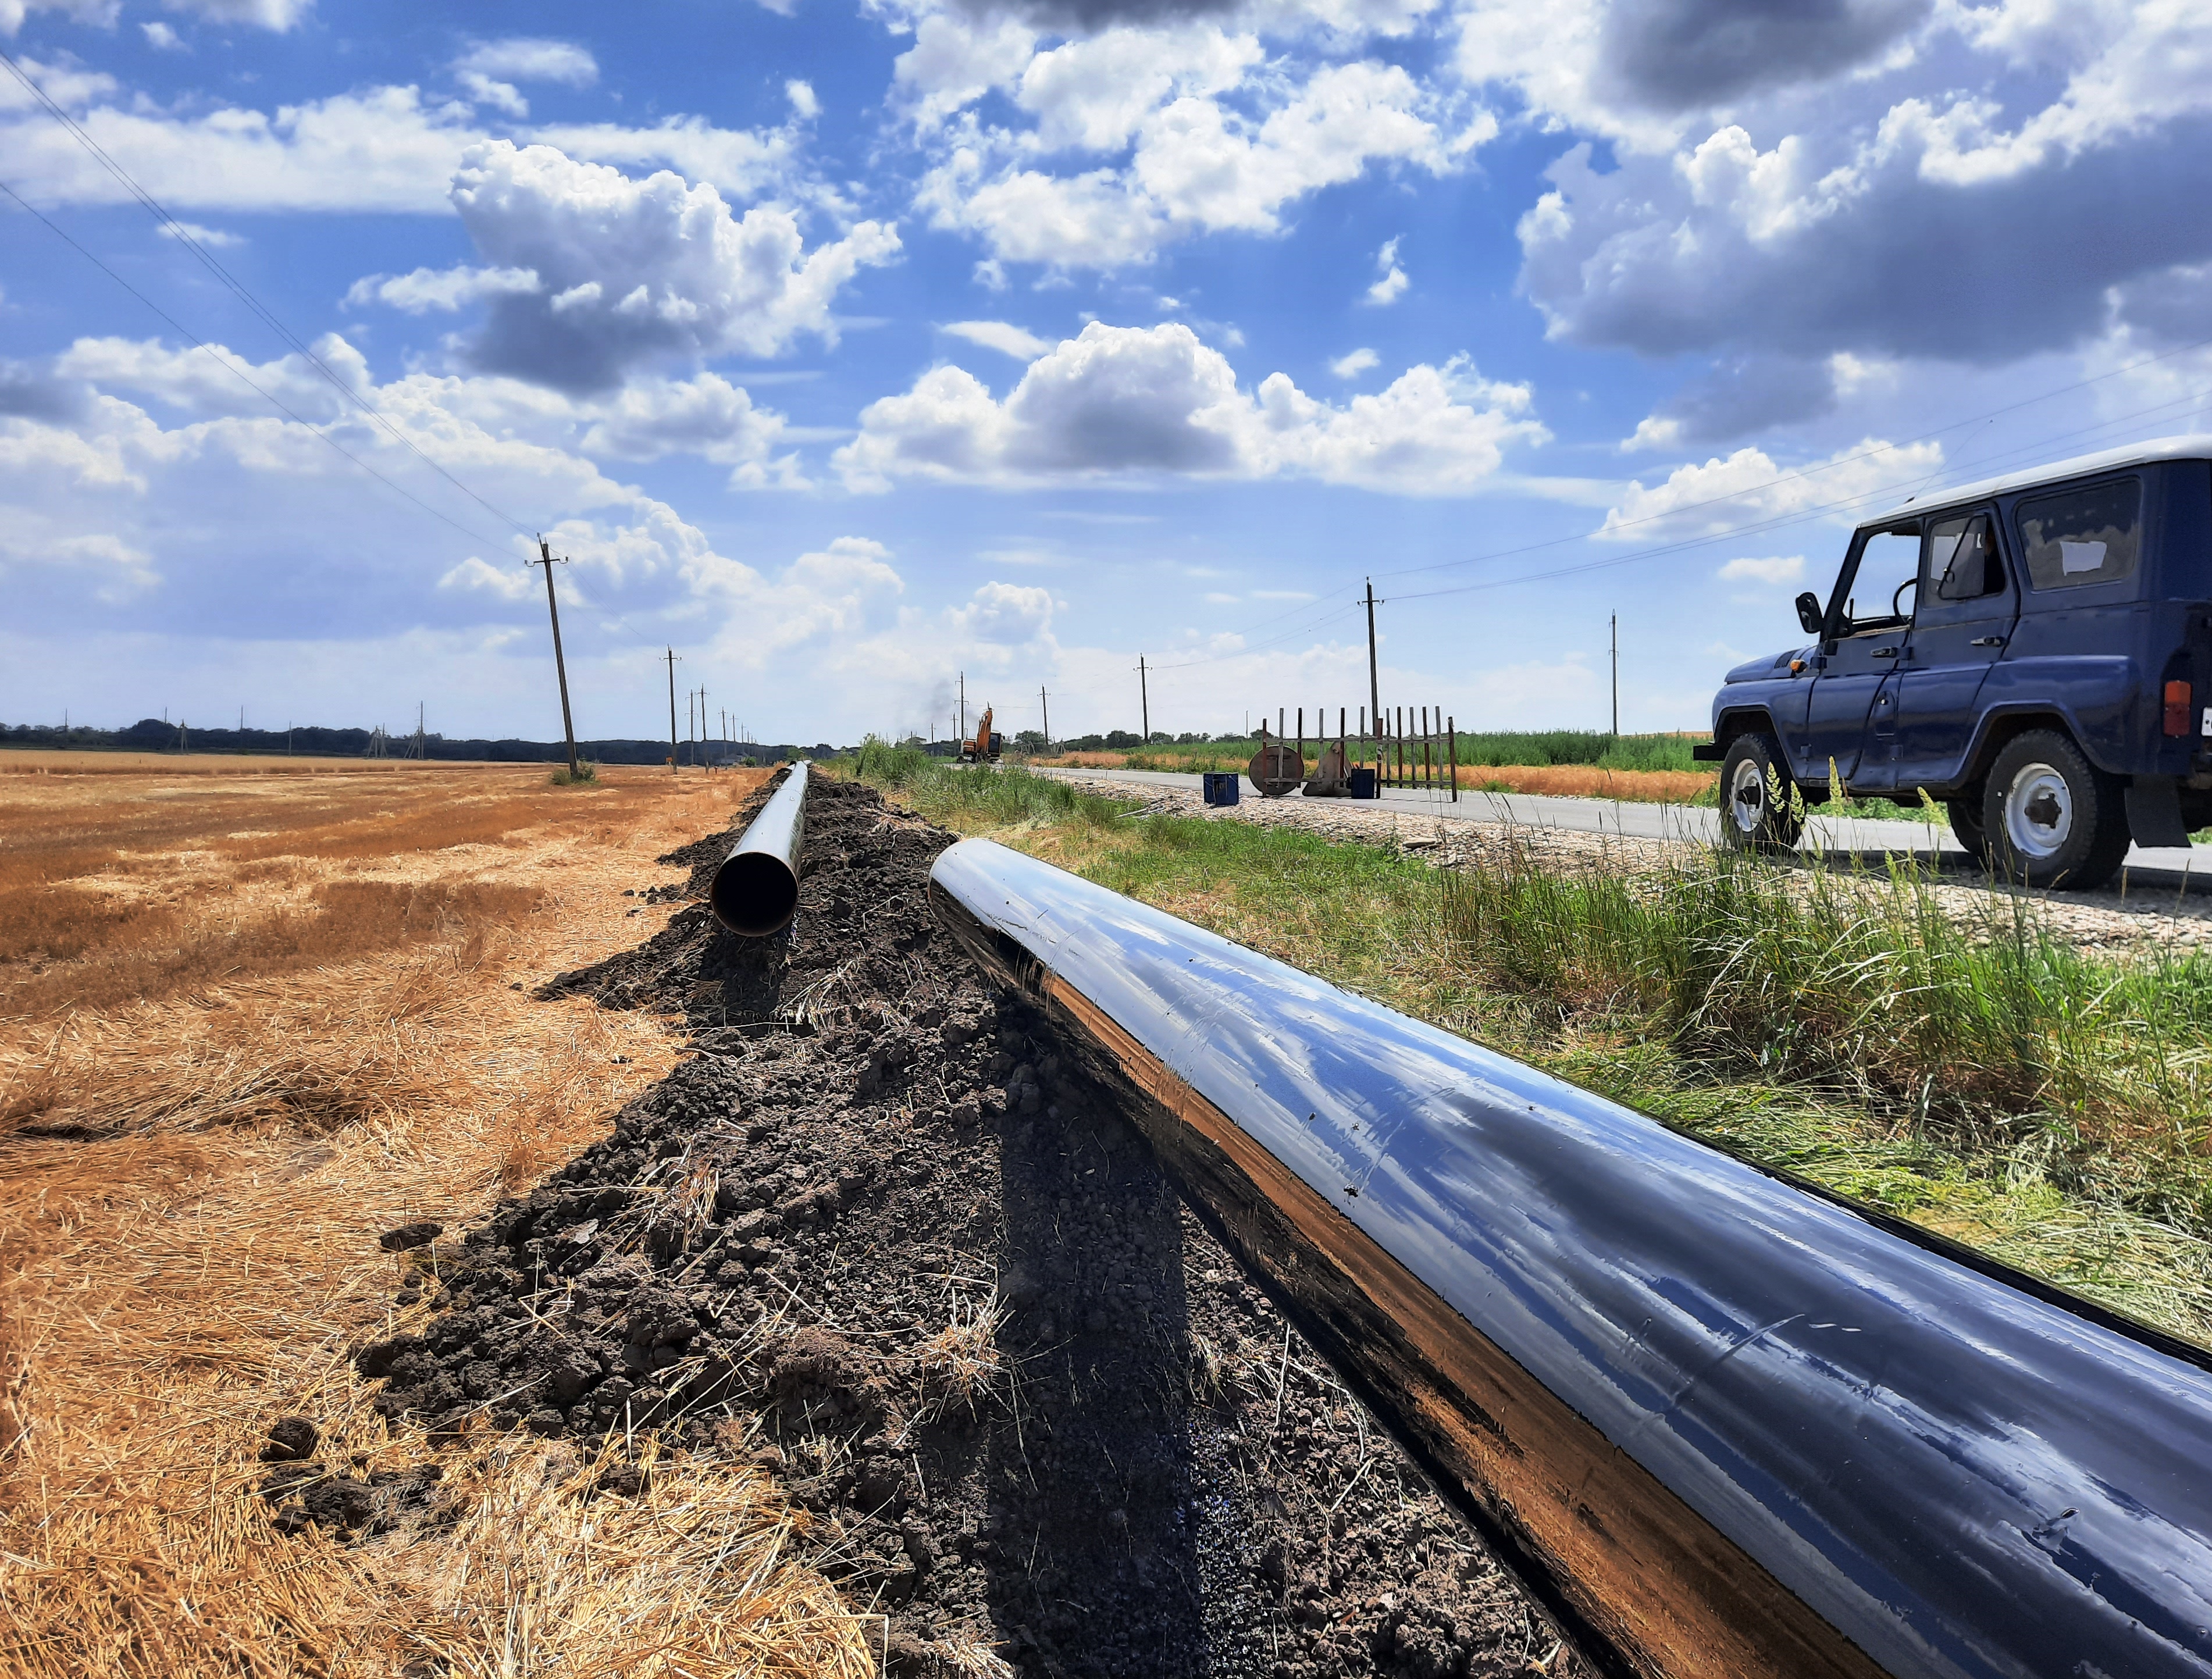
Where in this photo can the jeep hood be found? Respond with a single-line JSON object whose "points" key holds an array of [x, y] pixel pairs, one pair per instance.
{"points": [[1755, 670]]}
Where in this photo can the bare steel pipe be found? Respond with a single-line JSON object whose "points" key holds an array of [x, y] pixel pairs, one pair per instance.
{"points": [[1734, 1427], [755, 891]]}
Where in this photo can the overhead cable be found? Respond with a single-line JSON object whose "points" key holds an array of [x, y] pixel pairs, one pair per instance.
{"points": [[243, 377], [182, 234]]}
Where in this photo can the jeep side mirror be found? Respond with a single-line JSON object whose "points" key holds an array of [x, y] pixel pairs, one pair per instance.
{"points": [[1809, 615]]}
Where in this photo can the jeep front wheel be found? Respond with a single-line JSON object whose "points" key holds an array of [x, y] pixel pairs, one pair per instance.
{"points": [[2052, 818], [1966, 813], [1757, 812]]}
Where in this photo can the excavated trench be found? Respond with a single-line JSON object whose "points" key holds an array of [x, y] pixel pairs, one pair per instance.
{"points": [[881, 1231]]}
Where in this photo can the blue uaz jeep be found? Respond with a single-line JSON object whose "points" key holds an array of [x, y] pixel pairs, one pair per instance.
{"points": [[2034, 652]]}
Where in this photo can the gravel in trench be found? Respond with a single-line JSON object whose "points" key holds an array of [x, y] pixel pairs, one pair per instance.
{"points": [[883, 1234]]}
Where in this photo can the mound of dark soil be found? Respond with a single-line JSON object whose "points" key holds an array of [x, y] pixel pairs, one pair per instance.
{"points": [[883, 1231]]}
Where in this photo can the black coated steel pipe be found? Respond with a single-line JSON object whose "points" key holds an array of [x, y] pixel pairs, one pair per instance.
{"points": [[755, 891], [1737, 1427]]}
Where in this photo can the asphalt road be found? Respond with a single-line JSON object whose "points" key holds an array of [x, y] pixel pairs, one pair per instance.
{"points": [[1657, 821]]}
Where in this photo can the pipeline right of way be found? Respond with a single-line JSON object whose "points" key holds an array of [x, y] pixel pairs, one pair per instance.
{"points": [[1732, 1427]]}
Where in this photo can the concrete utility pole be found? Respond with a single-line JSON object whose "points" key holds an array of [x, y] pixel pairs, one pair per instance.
{"points": [[560, 665], [1374, 684], [699, 751], [671, 711], [1145, 698], [963, 705], [1044, 706], [1616, 676]]}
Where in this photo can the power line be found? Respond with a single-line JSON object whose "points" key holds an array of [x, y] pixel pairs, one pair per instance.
{"points": [[182, 234], [274, 401], [1735, 532], [1781, 479], [1798, 517]]}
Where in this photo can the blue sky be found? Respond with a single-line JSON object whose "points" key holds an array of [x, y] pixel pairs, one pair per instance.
{"points": [[848, 348]]}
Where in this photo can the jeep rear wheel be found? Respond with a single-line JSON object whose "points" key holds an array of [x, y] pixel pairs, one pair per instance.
{"points": [[2053, 818], [1757, 813]]}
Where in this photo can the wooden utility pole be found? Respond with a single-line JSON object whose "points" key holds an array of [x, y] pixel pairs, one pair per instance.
{"points": [[1616, 676], [1044, 706], [1145, 698], [701, 751], [560, 665], [1374, 683], [671, 711], [963, 707]]}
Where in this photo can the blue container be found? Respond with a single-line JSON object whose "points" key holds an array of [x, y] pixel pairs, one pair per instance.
{"points": [[1220, 788], [1363, 783]]}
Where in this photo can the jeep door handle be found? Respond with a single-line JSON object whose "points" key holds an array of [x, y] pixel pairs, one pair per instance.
{"points": [[1989, 641], [1886, 652]]}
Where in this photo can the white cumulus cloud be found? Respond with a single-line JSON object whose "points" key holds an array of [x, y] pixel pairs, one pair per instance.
{"points": [[446, 288], [1774, 571], [530, 59], [1392, 286], [1001, 335], [1128, 402], [634, 271], [1724, 493], [1129, 138]]}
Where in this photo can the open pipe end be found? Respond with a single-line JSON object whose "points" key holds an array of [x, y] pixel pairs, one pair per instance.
{"points": [[754, 894]]}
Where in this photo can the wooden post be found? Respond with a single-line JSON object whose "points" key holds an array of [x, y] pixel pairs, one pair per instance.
{"points": [[671, 711], [1451, 732]]}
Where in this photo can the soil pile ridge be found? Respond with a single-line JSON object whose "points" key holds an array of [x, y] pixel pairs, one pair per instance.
{"points": [[883, 1234]]}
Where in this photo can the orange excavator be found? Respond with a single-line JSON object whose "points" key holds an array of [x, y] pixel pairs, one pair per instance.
{"points": [[985, 747]]}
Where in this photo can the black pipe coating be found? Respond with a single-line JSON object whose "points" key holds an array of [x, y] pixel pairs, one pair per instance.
{"points": [[1735, 1427], [755, 891]]}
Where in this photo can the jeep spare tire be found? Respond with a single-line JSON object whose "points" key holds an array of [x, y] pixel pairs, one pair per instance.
{"points": [[1757, 813], [2052, 818]]}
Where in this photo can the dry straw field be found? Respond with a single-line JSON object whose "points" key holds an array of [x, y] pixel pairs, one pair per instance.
{"points": [[252, 1013]]}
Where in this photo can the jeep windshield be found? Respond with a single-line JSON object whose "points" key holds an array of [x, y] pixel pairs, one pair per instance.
{"points": [[1878, 593]]}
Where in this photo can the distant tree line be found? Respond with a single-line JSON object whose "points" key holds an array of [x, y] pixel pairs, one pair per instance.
{"points": [[152, 735], [1121, 740]]}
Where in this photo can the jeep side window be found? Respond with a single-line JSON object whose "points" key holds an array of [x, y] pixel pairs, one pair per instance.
{"points": [[1879, 594], [1962, 557], [2083, 535]]}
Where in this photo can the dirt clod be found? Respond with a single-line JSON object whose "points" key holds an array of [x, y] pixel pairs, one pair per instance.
{"points": [[291, 1440], [421, 1233], [885, 1229]]}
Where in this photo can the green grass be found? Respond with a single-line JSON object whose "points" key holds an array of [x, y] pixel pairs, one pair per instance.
{"points": [[1983, 1078], [977, 798]]}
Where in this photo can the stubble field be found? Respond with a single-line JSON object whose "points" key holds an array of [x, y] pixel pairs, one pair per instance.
{"points": [[251, 1014]]}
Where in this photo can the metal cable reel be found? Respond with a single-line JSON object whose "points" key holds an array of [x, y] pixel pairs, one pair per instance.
{"points": [[1276, 769]]}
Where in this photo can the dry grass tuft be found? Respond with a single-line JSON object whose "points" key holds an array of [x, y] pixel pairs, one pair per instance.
{"points": [[694, 1575], [961, 1367], [975, 1660]]}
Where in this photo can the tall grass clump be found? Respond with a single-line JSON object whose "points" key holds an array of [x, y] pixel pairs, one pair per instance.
{"points": [[969, 798], [1984, 1025]]}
